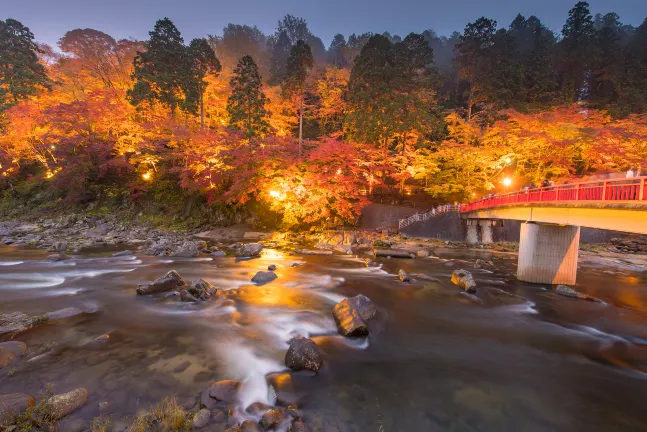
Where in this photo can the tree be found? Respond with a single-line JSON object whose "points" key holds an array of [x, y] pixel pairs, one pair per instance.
{"points": [[331, 89], [298, 66], [337, 52], [576, 46], [204, 62], [633, 90], [281, 46], [237, 41], [607, 62], [471, 57], [246, 104], [21, 74], [540, 78], [163, 71]]}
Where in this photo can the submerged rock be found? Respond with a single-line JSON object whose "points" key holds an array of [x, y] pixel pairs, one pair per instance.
{"points": [[185, 296], [66, 403], [16, 347], [201, 418], [169, 282], [566, 291], [272, 419], [225, 390], [263, 277], [5, 357], [303, 354], [352, 313], [480, 264], [218, 254], [298, 425], [123, 253], [57, 257], [14, 404], [64, 313], [250, 250], [464, 280], [18, 322], [249, 426]]}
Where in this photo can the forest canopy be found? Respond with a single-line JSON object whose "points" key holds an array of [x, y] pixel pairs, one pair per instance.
{"points": [[243, 120]]}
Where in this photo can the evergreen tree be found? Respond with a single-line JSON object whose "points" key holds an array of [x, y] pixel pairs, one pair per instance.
{"points": [[607, 61], [540, 77], [298, 66], [578, 36], [280, 52], [471, 59], [21, 74], [633, 88], [204, 61], [246, 104], [164, 70], [336, 52]]}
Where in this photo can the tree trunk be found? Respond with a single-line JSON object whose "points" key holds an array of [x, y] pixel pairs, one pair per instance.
{"points": [[201, 108], [300, 123]]}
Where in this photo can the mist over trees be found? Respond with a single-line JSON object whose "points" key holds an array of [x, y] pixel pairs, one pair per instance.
{"points": [[238, 114]]}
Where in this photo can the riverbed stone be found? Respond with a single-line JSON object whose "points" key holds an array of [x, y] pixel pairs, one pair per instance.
{"points": [[169, 282], [218, 253], [5, 357], [464, 280], [403, 276], [186, 250], [298, 425], [66, 403], [63, 313], [201, 418], [272, 419], [57, 257], [186, 296], [225, 390], [123, 253], [303, 354], [271, 267], [263, 277], [201, 289], [249, 426], [16, 347], [481, 264], [14, 404], [566, 291], [18, 322], [250, 250], [352, 313]]}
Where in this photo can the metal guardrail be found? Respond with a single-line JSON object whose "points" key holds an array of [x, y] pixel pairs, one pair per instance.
{"points": [[627, 189], [418, 217]]}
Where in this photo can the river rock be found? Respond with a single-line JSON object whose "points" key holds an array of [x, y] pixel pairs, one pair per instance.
{"points": [[63, 313], [17, 322], [271, 267], [218, 254], [201, 289], [66, 403], [201, 418], [425, 277], [249, 426], [480, 264], [186, 296], [250, 250], [5, 357], [303, 354], [403, 276], [313, 252], [570, 292], [272, 419], [14, 404], [57, 257], [169, 282], [123, 253], [263, 277], [225, 390], [186, 250], [16, 347], [352, 313], [298, 425], [422, 253], [464, 280]]}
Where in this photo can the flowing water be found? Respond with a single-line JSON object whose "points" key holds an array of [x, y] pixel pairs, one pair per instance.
{"points": [[436, 360]]}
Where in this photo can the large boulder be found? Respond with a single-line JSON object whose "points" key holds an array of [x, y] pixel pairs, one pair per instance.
{"points": [[186, 250], [14, 404], [171, 281], [250, 250], [464, 280], [66, 403], [18, 322], [352, 313], [303, 354], [263, 277], [224, 391]]}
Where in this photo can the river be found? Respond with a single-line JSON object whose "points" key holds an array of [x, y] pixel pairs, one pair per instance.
{"points": [[436, 361]]}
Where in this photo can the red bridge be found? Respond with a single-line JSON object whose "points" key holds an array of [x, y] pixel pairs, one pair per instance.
{"points": [[552, 216]]}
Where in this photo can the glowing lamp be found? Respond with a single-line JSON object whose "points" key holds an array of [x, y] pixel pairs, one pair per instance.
{"points": [[507, 181], [147, 175], [274, 194], [508, 160]]}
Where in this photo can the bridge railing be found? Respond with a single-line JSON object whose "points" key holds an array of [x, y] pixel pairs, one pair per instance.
{"points": [[418, 217], [627, 189]]}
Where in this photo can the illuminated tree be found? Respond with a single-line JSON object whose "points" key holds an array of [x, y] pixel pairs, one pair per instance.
{"points": [[204, 62], [21, 74], [298, 66], [246, 104]]}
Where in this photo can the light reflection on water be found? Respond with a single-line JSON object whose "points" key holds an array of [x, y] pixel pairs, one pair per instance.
{"points": [[436, 361]]}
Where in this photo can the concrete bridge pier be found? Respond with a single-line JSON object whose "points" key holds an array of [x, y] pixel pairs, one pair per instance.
{"points": [[548, 253], [486, 231]]}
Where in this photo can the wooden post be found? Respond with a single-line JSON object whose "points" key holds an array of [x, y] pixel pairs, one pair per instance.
{"points": [[641, 192], [604, 191]]}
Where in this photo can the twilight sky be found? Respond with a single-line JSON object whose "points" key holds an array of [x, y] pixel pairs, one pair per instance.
{"points": [[50, 19]]}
